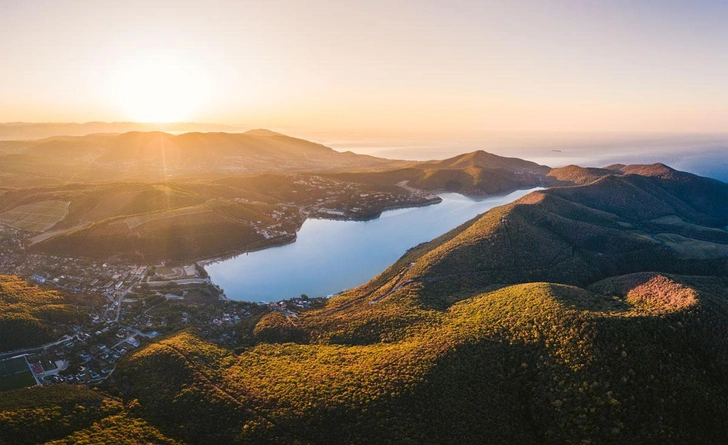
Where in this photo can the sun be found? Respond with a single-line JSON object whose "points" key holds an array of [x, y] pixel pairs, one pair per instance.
{"points": [[158, 92]]}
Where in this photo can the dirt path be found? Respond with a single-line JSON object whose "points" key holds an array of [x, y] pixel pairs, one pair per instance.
{"points": [[54, 233]]}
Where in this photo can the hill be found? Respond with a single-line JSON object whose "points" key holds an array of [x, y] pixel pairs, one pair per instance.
{"points": [[154, 156], [72, 414], [29, 314], [576, 175], [477, 174], [185, 219], [527, 363]]}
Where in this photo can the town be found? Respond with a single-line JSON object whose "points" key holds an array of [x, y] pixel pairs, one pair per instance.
{"points": [[125, 306]]}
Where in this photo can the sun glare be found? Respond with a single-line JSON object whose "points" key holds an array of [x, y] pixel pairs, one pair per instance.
{"points": [[156, 92]]}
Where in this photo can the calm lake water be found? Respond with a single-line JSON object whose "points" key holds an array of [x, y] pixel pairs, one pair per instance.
{"points": [[331, 256]]}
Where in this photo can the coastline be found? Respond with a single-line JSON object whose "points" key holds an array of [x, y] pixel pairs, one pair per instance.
{"points": [[271, 243], [438, 200]]}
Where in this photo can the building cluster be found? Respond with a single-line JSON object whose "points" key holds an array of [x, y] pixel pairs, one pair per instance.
{"points": [[74, 274], [86, 356]]}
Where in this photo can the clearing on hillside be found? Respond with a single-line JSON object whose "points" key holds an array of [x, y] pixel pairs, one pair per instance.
{"points": [[135, 221], [14, 374], [36, 217]]}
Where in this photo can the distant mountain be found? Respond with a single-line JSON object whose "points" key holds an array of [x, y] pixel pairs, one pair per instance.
{"points": [[26, 131], [483, 160], [575, 175], [158, 155]]}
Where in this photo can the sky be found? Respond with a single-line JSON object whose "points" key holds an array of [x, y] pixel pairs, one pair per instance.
{"points": [[455, 67]]}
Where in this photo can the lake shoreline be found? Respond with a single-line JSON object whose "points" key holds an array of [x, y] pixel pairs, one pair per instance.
{"points": [[206, 261], [285, 240], [350, 254]]}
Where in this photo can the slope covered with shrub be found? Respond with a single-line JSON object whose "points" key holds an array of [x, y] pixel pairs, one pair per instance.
{"points": [[638, 358], [27, 313], [66, 414]]}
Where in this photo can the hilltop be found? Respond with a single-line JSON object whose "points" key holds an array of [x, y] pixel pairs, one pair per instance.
{"points": [[477, 174]]}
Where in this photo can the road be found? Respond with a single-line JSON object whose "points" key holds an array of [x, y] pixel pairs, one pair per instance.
{"points": [[183, 281], [63, 339], [126, 291]]}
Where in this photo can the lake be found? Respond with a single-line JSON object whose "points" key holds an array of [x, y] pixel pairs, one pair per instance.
{"points": [[330, 256]]}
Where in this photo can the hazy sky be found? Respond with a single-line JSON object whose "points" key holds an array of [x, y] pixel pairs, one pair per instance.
{"points": [[445, 67]]}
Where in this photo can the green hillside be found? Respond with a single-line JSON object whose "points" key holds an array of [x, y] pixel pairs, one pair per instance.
{"points": [[523, 364], [66, 414]]}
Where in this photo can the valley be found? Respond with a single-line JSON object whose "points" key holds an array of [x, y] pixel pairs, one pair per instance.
{"points": [[591, 307]]}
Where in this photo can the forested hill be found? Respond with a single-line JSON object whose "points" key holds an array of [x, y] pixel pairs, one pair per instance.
{"points": [[587, 314], [28, 314], [620, 223]]}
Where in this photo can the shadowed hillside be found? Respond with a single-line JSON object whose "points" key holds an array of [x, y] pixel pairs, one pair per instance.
{"points": [[186, 219]]}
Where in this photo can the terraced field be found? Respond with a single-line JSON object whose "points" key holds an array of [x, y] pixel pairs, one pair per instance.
{"points": [[36, 217], [136, 221]]}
